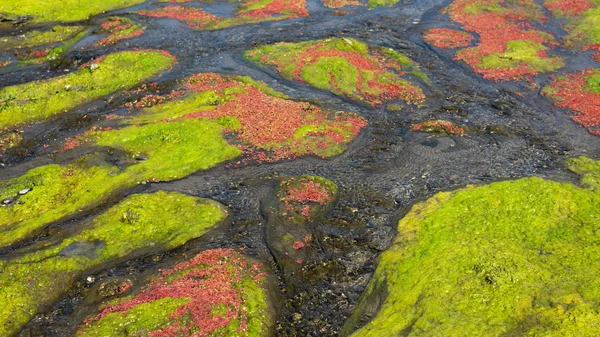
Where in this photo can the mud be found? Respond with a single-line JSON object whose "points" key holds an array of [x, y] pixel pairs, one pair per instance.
{"points": [[385, 171]]}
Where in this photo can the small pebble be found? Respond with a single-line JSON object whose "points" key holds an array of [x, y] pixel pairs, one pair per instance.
{"points": [[24, 191]]}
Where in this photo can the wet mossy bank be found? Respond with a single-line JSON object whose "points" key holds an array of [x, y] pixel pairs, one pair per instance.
{"points": [[139, 224], [510, 258]]}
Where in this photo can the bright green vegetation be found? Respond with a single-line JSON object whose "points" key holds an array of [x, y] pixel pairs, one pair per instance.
{"points": [[40, 38], [346, 67], [159, 221], [520, 52], [586, 27], [158, 151], [513, 258], [37, 100], [589, 170], [377, 3], [64, 10]]}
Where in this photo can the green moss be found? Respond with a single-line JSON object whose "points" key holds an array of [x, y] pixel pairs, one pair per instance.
{"points": [[319, 74], [64, 11], [37, 100], [586, 28], [163, 220], [346, 67], [377, 3], [522, 52], [40, 38], [514, 258], [589, 170], [148, 316], [161, 151]]}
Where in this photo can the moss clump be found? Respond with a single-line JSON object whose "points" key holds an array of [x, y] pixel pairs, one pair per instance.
{"points": [[157, 152], [163, 220], [519, 52], [589, 170], [37, 100], [514, 258], [40, 38], [64, 11], [345, 67], [216, 293]]}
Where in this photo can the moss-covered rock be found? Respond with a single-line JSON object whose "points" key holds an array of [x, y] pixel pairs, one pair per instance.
{"points": [[299, 202], [513, 258], [154, 152], [216, 293], [346, 67], [143, 222], [38, 38], [37, 100], [589, 170], [64, 11], [248, 12]]}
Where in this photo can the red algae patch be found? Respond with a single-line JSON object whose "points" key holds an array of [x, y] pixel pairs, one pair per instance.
{"points": [[218, 292], [346, 67], [249, 12], [447, 38], [118, 28], [578, 92], [266, 125], [510, 47], [438, 126], [302, 197], [563, 8]]}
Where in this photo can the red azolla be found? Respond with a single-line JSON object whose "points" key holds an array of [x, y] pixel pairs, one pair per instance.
{"points": [[498, 23], [194, 17], [118, 29], [298, 245], [309, 191], [289, 8], [251, 11], [568, 7], [447, 38], [270, 122], [212, 278], [572, 91]]}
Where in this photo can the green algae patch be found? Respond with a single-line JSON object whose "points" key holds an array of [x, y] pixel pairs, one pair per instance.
{"points": [[514, 258], [40, 38], [159, 221], [64, 10], [38, 100], [589, 170], [154, 152], [346, 67], [218, 292]]}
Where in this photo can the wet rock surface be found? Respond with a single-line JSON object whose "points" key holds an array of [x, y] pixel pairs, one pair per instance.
{"points": [[472, 131]]}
